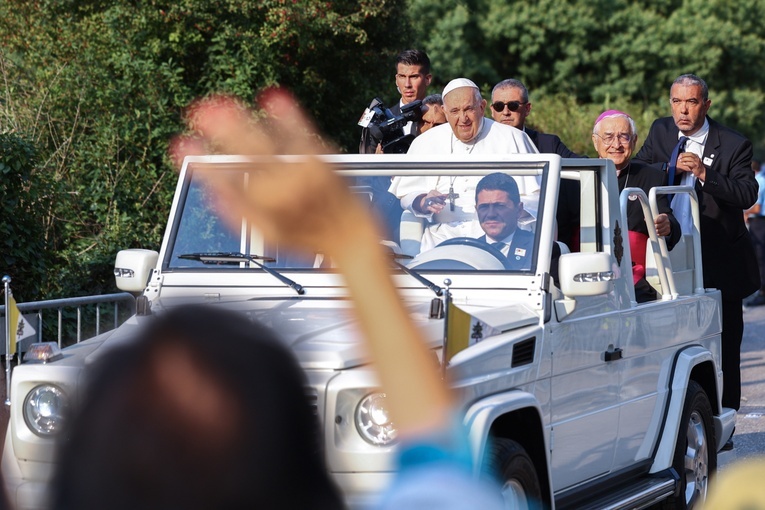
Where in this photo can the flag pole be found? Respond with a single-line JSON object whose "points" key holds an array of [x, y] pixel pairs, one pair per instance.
{"points": [[447, 305], [7, 288]]}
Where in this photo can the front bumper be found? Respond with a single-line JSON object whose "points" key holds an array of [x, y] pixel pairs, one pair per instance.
{"points": [[362, 491], [25, 494], [724, 426]]}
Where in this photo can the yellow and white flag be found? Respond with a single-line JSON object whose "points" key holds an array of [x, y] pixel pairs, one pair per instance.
{"points": [[463, 330], [20, 327]]}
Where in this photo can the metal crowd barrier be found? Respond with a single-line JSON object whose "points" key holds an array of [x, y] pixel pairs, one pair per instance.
{"points": [[124, 298]]}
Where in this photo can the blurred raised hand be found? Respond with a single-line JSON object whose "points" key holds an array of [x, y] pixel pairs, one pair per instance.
{"points": [[304, 205], [307, 207]]}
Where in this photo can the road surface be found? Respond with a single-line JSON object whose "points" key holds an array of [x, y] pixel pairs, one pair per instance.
{"points": [[749, 439]]}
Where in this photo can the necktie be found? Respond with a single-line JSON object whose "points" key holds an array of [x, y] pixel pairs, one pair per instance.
{"points": [[671, 170], [500, 246]]}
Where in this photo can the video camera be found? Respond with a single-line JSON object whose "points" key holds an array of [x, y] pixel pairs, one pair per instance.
{"points": [[388, 129]]}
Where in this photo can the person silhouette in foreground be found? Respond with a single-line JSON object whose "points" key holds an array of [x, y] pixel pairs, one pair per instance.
{"points": [[206, 409]]}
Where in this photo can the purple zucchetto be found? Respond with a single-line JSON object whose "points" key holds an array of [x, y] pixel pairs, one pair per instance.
{"points": [[609, 113]]}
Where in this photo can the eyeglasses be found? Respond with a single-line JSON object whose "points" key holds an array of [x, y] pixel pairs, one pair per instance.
{"points": [[499, 106], [621, 138]]}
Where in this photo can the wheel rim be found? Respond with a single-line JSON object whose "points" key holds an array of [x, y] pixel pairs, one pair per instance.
{"points": [[696, 460], [514, 495]]}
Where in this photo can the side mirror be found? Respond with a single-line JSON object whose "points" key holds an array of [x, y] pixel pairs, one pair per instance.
{"points": [[132, 269], [585, 274]]}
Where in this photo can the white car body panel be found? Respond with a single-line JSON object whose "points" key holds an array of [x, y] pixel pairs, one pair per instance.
{"points": [[604, 377]]}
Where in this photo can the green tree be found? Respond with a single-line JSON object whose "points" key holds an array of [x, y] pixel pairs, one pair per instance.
{"points": [[605, 52], [100, 88], [25, 195]]}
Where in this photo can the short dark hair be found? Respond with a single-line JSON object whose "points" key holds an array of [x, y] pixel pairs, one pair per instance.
{"points": [[433, 99], [692, 79], [500, 182], [140, 445], [511, 83], [414, 58]]}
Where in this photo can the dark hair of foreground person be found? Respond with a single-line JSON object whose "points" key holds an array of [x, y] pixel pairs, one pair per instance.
{"points": [[206, 409]]}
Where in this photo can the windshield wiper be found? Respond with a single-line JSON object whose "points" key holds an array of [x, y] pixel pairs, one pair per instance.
{"points": [[235, 258], [417, 276]]}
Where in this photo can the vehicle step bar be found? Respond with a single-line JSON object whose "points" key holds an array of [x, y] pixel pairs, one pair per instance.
{"points": [[640, 494]]}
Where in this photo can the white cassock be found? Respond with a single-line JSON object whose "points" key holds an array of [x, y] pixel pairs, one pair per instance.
{"points": [[494, 138]]}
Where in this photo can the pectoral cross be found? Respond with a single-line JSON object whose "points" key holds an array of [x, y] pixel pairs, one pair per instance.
{"points": [[452, 197]]}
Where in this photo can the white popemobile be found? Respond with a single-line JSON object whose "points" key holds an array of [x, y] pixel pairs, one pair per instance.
{"points": [[571, 391]]}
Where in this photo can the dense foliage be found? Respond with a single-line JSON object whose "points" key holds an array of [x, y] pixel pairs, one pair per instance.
{"points": [[93, 90], [25, 197], [604, 53], [99, 88]]}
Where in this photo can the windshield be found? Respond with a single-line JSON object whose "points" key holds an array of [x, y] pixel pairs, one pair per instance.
{"points": [[468, 220]]}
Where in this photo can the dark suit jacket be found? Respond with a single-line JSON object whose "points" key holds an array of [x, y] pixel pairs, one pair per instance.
{"points": [[569, 196], [550, 144], [521, 250], [726, 248]]}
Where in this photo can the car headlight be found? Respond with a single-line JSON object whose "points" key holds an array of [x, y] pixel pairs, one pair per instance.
{"points": [[45, 410], [373, 420]]}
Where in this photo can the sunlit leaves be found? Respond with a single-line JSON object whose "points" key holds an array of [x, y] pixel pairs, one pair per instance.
{"points": [[100, 86], [605, 50]]}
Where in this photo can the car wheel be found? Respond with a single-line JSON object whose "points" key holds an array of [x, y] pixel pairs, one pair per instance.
{"points": [[695, 457], [512, 466]]}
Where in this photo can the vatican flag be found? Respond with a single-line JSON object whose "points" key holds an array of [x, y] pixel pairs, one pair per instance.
{"points": [[20, 327], [463, 330]]}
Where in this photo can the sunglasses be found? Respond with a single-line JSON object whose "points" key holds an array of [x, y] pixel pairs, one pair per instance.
{"points": [[499, 106]]}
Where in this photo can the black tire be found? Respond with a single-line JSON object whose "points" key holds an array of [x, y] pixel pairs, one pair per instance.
{"points": [[695, 458], [509, 463]]}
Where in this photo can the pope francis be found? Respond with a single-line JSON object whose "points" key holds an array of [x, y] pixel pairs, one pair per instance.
{"points": [[447, 202]]}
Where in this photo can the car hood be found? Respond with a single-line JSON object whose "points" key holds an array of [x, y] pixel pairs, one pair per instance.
{"points": [[324, 334]]}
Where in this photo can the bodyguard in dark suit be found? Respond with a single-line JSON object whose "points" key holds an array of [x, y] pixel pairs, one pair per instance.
{"points": [[549, 144], [498, 205], [717, 161], [510, 105], [569, 194]]}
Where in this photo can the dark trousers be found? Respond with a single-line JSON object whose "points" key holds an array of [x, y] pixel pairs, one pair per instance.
{"points": [[732, 334], [757, 233]]}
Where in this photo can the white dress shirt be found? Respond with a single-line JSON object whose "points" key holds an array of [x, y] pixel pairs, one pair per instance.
{"points": [[507, 242], [681, 203]]}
